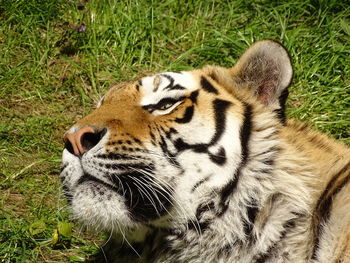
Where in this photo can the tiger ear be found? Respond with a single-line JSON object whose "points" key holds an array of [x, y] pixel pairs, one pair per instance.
{"points": [[266, 70]]}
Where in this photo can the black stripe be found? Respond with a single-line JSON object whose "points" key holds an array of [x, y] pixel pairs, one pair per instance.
{"points": [[177, 87], [138, 85], [269, 161], [170, 157], [126, 167], [171, 85], [220, 107], [263, 257], [153, 137], [169, 133], [282, 101], [226, 250], [220, 157], [213, 76], [199, 226], [324, 203], [245, 133], [268, 255], [226, 192], [187, 116], [180, 145], [206, 85], [171, 80], [202, 208], [193, 96], [199, 183], [252, 211], [115, 156], [87, 178]]}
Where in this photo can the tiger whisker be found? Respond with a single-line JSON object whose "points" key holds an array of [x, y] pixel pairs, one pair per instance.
{"points": [[126, 240], [146, 194], [179, 206]]}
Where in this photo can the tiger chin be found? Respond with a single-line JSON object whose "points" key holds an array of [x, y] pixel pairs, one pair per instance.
{"points": [[203, 166]]}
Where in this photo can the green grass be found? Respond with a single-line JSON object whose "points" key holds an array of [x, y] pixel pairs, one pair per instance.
{"points": [[51, 75]]}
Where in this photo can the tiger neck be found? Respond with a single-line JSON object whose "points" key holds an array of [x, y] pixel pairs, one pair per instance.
{"points": [[262, 203]]}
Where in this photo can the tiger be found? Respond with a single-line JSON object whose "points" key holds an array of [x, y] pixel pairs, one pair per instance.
{"points": [[204, 166]]}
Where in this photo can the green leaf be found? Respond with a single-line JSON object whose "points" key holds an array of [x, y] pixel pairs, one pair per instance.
{"points": [[55, 237], [345, 26], [64, 229], [37, 227], [76, 259]]}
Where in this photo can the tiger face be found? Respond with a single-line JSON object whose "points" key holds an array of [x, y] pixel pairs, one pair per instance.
{"points": [[158, 148]]}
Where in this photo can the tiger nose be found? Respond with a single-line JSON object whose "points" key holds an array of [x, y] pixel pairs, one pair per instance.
{"points": [[83, 139]]}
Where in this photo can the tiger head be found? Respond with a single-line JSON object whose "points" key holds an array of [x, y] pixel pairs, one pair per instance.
{"points": [[158, 148]]}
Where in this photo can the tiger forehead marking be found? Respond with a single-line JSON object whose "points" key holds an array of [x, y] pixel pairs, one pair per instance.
{"points": [[169, 84], [202, 166]]}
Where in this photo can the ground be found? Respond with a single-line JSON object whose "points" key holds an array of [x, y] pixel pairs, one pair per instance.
{"points": [[58, 57]]}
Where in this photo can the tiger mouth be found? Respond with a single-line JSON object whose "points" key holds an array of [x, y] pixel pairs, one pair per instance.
{"points": [[145, 199], [86, 177], [118, 181]]}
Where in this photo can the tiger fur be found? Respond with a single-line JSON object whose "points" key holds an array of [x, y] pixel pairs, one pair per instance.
{"points": [[202, 166]]}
